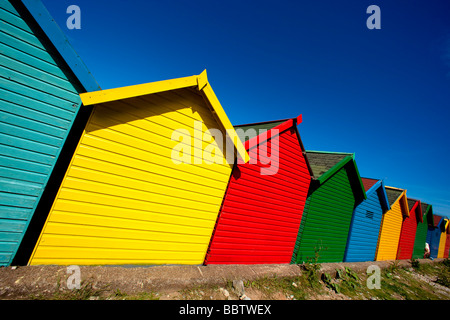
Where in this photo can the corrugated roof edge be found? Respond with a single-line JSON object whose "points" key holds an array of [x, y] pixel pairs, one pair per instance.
{"points": [[54, 33]]}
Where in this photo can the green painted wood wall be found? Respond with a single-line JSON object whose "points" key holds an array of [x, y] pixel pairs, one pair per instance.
{"points": [[326, 221]]}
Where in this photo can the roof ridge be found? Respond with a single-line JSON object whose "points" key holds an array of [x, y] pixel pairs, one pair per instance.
{"points": [[259, 123], [60, 41], [395, 188], [329, 152]]}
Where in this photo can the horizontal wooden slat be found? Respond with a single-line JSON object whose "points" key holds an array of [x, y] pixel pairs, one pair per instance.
{"points": [[45, 130], [27, 58], [37, 82], [164, 161], [23, 169], [14, 42], [15, 84], [390, 233], [326, 221], [123, 185], [141, 170], [261, 214], [39, 101], [104, 231]]}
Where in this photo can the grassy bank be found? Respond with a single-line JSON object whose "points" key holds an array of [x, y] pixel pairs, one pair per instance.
{"points": [[414, 281]]}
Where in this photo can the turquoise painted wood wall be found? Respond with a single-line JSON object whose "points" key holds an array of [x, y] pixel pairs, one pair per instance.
{"points": [[38, 104]]}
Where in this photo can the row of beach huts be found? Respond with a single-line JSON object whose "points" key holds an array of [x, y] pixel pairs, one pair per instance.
{"points": [[156, 174]]}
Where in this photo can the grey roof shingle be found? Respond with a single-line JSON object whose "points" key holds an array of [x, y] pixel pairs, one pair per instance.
{"points": [[321, 162], [248, 131], [393, 194], [424, 207], [411, 203]]}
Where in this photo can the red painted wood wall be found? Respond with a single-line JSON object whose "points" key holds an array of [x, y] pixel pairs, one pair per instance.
{"points": [[408, 233], [261, 214]]}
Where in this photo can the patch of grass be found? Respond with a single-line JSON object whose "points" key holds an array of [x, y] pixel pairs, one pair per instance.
{"points": [[197, 292], [402, 284], [446, 262], [312, 268], [444, 280], [351, 279], [326, 278], [311, 271], [297, 288], [397, 283], [443, 275], [288, 286], [428, 269], [415, 264], [394, 267], [119, 294], [269, 285], [143, 296], [86, 291]]}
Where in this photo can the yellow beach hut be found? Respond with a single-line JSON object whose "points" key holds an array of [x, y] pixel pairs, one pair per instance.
{"points": [[444, 226], [391, 224], [141, 187]]}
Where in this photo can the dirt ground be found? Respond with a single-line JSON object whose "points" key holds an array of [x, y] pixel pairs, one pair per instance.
{"points": [[158, 282]]}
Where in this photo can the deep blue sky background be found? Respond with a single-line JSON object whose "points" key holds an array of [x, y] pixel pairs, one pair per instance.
{"points": [[382, 94]]}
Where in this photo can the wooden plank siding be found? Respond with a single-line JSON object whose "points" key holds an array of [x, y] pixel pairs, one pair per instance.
{"points": [[434, 235], [328, 212], [38, 104], [443, 238], [326, 221], [447, 243], [422, 229], [366, 221], [261, 212], [124, 200], [391, 228], [408, 231]]}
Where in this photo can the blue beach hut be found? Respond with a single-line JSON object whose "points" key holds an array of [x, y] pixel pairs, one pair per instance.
{"points": [[434, 235], [366, 220]]}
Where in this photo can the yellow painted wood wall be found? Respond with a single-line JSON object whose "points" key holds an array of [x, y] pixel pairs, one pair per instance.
{"points": [[389, 237], [441, 245], [442, 240], [123, 200]]}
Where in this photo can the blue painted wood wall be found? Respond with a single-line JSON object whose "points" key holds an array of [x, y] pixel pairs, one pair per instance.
{"points": [[365, 227], [38, 104], [433, 239]]}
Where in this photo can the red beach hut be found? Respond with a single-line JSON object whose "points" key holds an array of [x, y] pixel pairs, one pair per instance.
{"points": [[262, 208], [409, 228]]}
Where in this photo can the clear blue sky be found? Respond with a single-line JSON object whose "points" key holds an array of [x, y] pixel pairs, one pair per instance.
{"points": [[382, 94]]}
